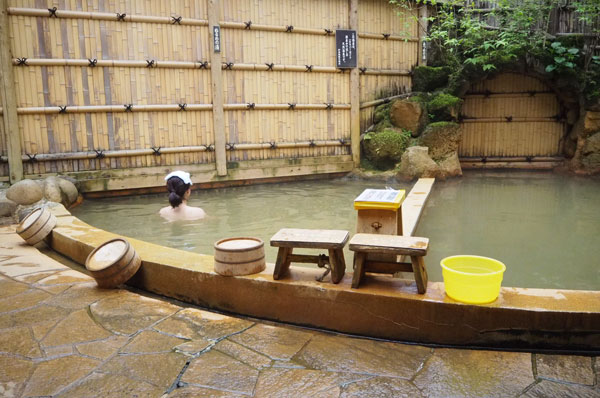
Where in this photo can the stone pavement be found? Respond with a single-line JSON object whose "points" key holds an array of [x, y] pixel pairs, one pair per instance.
{"points": [[61, 336]]}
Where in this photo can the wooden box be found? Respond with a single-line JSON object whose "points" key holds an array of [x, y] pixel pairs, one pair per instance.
{"points": [[379, 211]]}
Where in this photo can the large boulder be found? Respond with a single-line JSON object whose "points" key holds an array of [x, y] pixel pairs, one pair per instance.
{"points": [[591, 122], [590, 153], [449, 167], [416, 163], [442, 139], [408, 115], [384, 149], [25, 192], [52, 190], [60, 190], [7, 207]]}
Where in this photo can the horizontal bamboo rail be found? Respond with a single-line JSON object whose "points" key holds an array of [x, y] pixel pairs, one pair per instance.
{"points": [[171, 20], [105, 16], [510, 158], [157, 151], [516, 94], [370, 104], [198, 65], [170, 108], [509, 119]]}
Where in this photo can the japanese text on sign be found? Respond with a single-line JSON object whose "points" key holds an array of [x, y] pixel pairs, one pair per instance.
{"points": [[217, 38], [345, 46]]}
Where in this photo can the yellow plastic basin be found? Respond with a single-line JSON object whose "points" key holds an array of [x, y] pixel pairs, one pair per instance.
{"points": [[472, 279]]}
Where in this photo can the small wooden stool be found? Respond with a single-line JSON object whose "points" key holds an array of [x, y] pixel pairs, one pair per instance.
{"points": [[287, 239], [411, 246]]}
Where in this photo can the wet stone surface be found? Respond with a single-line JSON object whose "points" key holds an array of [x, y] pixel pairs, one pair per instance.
{"points": [[61, 336]]}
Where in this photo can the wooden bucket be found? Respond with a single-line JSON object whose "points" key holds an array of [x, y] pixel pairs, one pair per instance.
{"points": [[112, 263], [239, 256], [36, 225]]}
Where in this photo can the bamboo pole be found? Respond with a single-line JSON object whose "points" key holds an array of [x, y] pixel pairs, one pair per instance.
{"points": [[509, 119], [354, 90], [99, 154], [113, 108], [214, 11], [9, 100], [106, 16], [370, 104]]}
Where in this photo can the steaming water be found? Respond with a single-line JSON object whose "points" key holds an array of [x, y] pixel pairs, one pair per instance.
{"points": [[544, 227]]}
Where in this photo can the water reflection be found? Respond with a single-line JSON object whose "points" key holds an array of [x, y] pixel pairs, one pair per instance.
{"points": [[544, 227]]}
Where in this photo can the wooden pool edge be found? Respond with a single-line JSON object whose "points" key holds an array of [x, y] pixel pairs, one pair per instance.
{"points": [[382, 308]]}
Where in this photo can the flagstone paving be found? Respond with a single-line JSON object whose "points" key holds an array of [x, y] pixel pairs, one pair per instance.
{"points": [[61, 336]]}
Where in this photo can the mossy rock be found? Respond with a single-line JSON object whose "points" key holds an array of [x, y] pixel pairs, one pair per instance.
{"points": [[382, 114], [444, 107], [442, 139], [384, 149], [430, 78]]}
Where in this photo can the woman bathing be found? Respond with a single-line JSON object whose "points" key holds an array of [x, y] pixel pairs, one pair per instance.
{"points": [[179, 185]]}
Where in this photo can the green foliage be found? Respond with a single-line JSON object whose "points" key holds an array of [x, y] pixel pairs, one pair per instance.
{"points": [[440, 106], [467, 41], [430, 78], [384, 149]]}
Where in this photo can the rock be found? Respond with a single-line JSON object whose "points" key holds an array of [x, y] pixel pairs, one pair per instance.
{"points": [[430, 78], [52, 190], [449, 167], [408, 115], [69, 190], [442, 139], [25, 192], [7, 207], [590, 154], [384, 149], [416, 163], [591, 122]]}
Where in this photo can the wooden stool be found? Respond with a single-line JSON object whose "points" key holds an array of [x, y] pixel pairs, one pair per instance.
{"points": [[287, 239], [411, 246]]}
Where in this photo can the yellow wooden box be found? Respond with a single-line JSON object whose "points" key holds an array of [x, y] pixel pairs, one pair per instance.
{"points": [[379, 211]]}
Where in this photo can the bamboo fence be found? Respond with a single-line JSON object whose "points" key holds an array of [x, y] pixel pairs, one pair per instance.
{"points": [[104, 84], [511, 115]]}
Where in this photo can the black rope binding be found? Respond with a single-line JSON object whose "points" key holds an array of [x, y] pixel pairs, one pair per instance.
{"points": [[228, 65], [270, 66], [210, 148], [92, 62], [529, 159], [52, 12], [250, 105], [248, 25], [62, 109], [328, 32], [386, 36], [230, 147], [21, 61], [99, 153], [342, 141], [362, 70], [461, 117], [531, 93], [291, 106], [273, 145], [483, 159], [156, 150], [323, 262], [176, 20], [386, 100], [487, 93], [203, 65], [121, 17], [31, 157], [328, 106], [182, 107], [309, 68], [289, 28], [312, 143], [509, 118], [150, 63], [128, 107]]}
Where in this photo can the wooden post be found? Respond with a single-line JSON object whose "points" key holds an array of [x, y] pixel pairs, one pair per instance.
{"points": [[355, 90], [422, 33], [214, 8], [9, 100]]}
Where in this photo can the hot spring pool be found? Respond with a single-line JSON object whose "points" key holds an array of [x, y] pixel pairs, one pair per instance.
{"points": [[544, 227]]}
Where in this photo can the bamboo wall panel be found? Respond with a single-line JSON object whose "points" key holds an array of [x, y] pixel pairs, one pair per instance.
{"points": [[511, 115], [3, 148], [41, 37], [316, 14], [80, 37]]}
